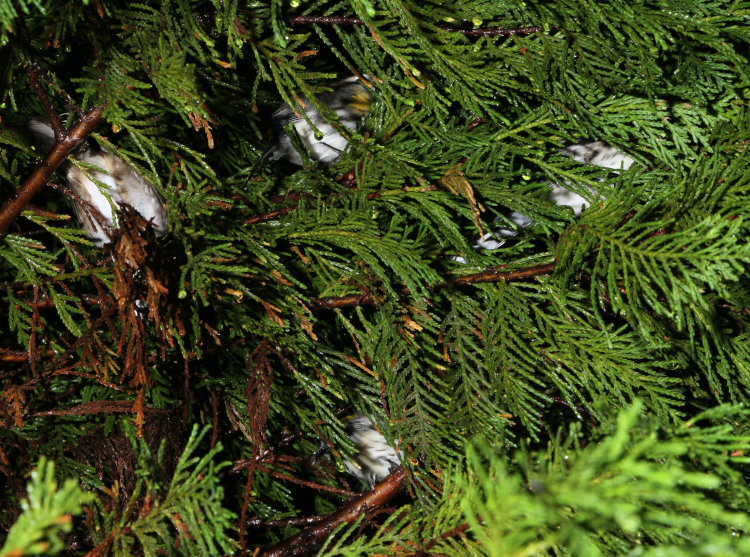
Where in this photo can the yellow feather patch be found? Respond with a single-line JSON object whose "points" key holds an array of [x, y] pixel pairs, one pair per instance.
{"points": [[360, 101]]}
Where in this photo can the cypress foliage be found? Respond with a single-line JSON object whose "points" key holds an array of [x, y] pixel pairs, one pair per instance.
{"points": [[578, 391]]}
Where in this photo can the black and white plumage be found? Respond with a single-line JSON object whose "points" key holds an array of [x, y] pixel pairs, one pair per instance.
{"points": [[375, 459], [349, 99], [120, 181], [597, 153]]}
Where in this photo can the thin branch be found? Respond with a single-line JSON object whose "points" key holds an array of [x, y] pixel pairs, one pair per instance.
{"points": [[495, 274], [35, 182], [248, 462], [64, 356], [457, 531], [491, 274], [271, 215], [283, 522], [309, 539], [334, 302], [20, 356], [48, 303], [100, 407], [33, 73], [304, 483]]}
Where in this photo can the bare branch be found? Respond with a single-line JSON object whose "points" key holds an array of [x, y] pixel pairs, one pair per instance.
{"points": [[309, 539], [35, 182], [33, 73], [495, 274]]}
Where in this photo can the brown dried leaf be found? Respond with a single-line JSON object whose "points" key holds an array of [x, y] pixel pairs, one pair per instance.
{"points": [[272, 312], [258, 394], [455, 181], [307, 326], [301, 255], [280, 279], [199, 122], [16, 398]]}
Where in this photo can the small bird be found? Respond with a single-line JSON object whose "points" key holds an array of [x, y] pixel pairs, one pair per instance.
{"points": [[349, 99], [597, 153], [375, 459], [115, 177]]}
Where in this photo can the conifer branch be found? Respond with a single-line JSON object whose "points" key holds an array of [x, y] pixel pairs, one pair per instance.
{"points": [[497, 273], [100, 407], [475, 32], [64, 144], [310, 485], [491, 274], [284, 522], [33, 73], [19, 356], [335, 302], [495, 31], [457, 531], [271, 215], [87, 299], [286, 210], [309, 539], [324, 20], [248, 462]]}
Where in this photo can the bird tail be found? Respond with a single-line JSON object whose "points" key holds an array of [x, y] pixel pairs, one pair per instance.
{"points": [[261, 162], [42, 132]]}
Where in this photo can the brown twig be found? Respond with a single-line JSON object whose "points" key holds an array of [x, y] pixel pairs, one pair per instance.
{"points": [[20, 356], [457, 531], [50, 369], [35, 182], [271, 215], [312, 485], [99, 407], [491, 274], [47, 303], [248, 462], [309, 539], [283, 522], [495, 274], [334, 302], [474, 123], [33, 73]]}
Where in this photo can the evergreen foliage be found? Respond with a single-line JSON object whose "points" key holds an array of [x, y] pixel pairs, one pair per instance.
{"points": [[275, 307], [47, 512]]}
